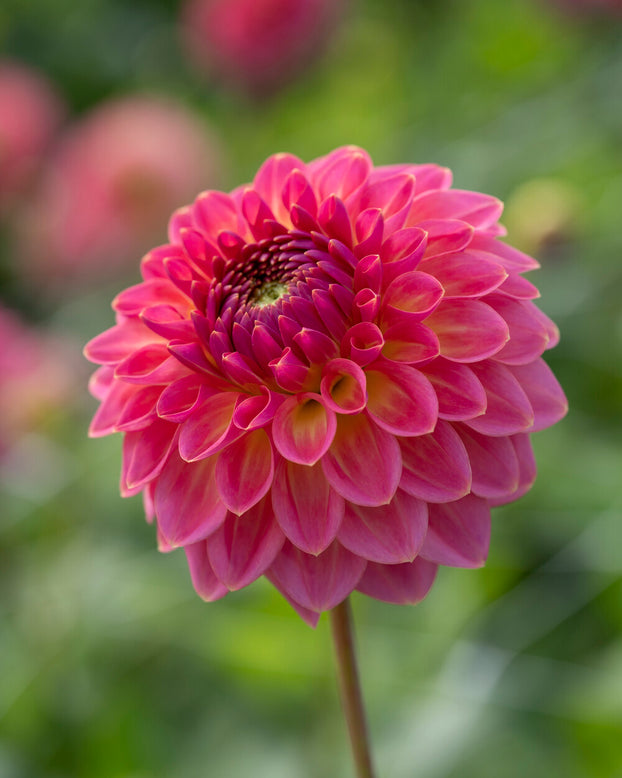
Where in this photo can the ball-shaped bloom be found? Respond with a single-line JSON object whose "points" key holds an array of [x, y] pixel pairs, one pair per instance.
{"points": [[257, 45], [111, 185], [328, 377], [30, 112]]}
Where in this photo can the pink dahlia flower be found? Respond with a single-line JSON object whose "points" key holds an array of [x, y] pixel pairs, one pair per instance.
{"points": [[111, 185], [328, 377], [257, 44], [30, 112]]}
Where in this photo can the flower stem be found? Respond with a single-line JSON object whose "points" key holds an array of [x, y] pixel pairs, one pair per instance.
{"points": [[350, 688]]}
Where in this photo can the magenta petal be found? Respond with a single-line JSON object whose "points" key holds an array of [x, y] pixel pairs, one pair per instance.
{"points": [[400, 399], [178, 399], [303, 428], [445, 236], [139, 411], [544, 392], [244, 471], [271, 178], [112, 403], [436, 467], [144, 453], [465, 274], [479, 210], [204, 580], [529, 333], [209, 428], [410, 342], [316, 582], [494, 464], [389, 534], [308, 510], [527, 470], [468, 330], [187, 502], [405, 584], [343, 386], [412, 296], [508, 410], [460, 394], [458, 533], [364, 463], [244, 546], [119, 342]]}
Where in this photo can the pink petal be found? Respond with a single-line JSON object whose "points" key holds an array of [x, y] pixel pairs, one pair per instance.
{"points": [[316, 582], [214, 212], [187, 502], [401, 252], [364, 463], [543, 391], [209, 428], [458, 533], [512, 259], [142, 363], [477, 209], [508, 410], [410, 342], [334, 220], [400, 399], [436, 467], [112, 404], [271, 178], [494, 464], [388, 534], [341, 172], [362, 343], [244, 546], [464, 274], [411, 296], [529, 335], [133, 300], [445, 236], [256, 410], [308, 510], [468, 330], [405, 584], [244, 471], [139, 411], [179, 399], [207, 586], [303, 428], [115, 344], [343, 386], [527, 469], [460, 394], [145, 452]]}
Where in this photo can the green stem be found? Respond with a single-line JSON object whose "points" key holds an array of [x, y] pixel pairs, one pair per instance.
{"points": [[350, 688]]}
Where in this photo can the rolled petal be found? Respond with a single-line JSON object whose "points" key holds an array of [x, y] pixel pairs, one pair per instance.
{"points": [[187, 504], [145, 452], [405, 584], [468, 330], [494, 463], [400, 399], [209, 428], [343, 386], [303, 428], [458, 533], [244, 546], [364, 462], [244, 471], [460, 394], [307, 508], [389, 534], [508, 410], [545, 395], [316, 582], [204, 580], [178, 400], [436, 467]]}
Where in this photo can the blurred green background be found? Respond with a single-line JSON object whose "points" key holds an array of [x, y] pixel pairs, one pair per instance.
{"points": [[110, 665]]}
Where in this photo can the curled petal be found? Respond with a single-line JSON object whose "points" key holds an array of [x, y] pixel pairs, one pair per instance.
{"points": [[405, 584], [303, 428], [494, 463], [400, 399], [363, 463], [527, 470], [316, 582], [178, 400], [271, 178], [244, 471], [139, 411], [243, 546], [209, 428], [145, 452], [307, 509], [401, 252], [411, 296], [343, 386], [468, 330], [214, 212], [445, 236], [334, 220], [256, 410], [362, 343], [187, 504], [389, 534], [436, 467], [458, 533], [204, 580], [545, 395]]}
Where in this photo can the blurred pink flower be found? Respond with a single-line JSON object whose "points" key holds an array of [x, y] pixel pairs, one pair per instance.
{"points": [[30, 112], [37, 376], [112, 183], [258, 45], [328, 377]]}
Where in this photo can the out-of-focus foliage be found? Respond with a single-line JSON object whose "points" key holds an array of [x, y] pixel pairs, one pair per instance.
{"points": [[110, 665]]}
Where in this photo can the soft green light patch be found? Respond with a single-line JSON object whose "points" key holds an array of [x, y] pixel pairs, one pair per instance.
{"points": [[268, 293]]}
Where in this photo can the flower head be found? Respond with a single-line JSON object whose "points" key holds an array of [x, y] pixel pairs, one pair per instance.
{"points": [[328, 377], [112, 183], [257, 44]]}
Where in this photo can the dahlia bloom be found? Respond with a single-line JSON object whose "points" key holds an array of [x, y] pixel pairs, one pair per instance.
{"points": [[111, 184], [30, 112], [257, 44], [328, 377]]}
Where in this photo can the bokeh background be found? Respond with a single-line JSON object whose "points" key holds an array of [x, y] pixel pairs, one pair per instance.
{"points": [[110, 665]]}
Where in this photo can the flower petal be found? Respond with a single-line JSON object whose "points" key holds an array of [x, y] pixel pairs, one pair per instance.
{"points": [[400, 399], [468, 330], [209, 428], [204, 580], [464, 274], [303, 428], [244, 471], [458, 533], [405, 584], [308, 510], [343, 386], [460, 394], [144, 453], [389, 534], [363, 464], [187, 503], [508, 410], [494, 463], [318, 583], [543, 391]]}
